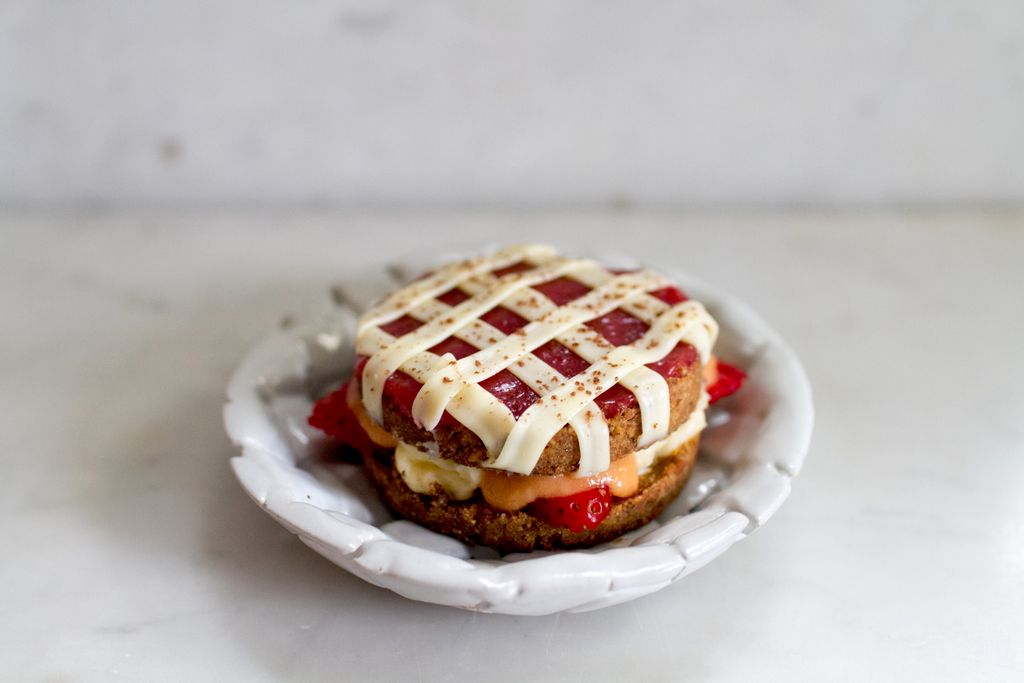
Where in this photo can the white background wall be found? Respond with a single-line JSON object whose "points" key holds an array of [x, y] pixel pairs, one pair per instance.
{"points": [[227, 102]]}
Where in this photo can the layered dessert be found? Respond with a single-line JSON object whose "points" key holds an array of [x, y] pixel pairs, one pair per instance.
{"points": [[525, 400]]}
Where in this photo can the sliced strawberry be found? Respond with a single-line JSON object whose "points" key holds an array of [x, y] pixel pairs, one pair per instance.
{"points": [[728, 381], [579, 512], [333, 416]]}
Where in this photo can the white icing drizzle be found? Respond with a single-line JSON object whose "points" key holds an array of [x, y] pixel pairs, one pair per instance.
{"points": [[540, 422], [394, 355], [440, 281], [487, 362], [453, 385], [671, 444]]}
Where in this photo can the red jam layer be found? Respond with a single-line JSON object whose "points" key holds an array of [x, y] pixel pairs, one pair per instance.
{"points": [[333, 416], [618, 327]]}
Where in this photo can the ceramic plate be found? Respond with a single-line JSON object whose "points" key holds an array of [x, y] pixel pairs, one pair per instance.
{"points": [[753, 448]]}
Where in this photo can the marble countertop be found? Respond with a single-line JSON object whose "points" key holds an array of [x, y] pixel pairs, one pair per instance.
{"points": [[132, 553]]}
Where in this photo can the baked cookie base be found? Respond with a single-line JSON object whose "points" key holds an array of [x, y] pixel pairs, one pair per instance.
{"points": [[477, 523]]}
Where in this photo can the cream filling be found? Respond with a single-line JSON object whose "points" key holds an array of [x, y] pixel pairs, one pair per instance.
{"points": [[422, 471]]}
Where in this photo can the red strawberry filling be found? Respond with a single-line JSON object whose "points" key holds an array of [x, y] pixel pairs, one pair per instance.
{"points": [[728, 381], [333, 416], [580, 512]]}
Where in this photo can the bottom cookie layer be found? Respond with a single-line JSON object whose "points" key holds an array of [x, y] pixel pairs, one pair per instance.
{"points": [[477, 523]]}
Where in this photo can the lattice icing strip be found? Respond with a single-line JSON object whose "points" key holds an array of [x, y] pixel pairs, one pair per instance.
{"points": [[528, 303], [400, 302], [446, 384], [650, 388], [390, 358], [481, 412], [531, 304], [588, 424], [645, 307], [543, 419], [495, 422], [547, 322]]}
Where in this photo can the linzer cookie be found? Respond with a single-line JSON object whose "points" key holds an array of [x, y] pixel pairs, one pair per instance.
{"points": [[527, 400]]}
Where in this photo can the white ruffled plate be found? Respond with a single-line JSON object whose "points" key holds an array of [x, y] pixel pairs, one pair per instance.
{"points": [[749, 455]]}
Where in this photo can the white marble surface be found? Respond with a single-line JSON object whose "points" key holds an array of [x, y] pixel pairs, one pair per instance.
{"points": [[131, 553], [530, 102]]}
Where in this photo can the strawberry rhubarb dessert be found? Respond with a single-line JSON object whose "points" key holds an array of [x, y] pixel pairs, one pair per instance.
{"points": [[524, 400]]}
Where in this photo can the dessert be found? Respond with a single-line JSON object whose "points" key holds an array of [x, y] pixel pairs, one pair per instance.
{"points": [[524, 400]]}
